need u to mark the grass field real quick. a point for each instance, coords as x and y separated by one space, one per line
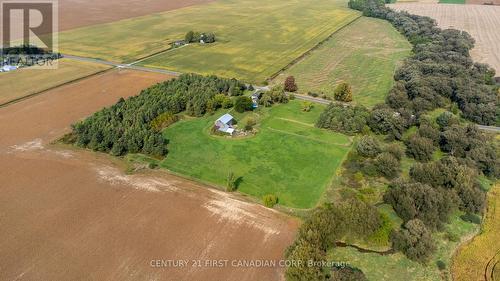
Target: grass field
452 1
398 267
26 81
288 157
255 38
482 255
364 54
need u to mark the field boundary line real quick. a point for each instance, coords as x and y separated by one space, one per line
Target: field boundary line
16 100
297 122
309 138
308 52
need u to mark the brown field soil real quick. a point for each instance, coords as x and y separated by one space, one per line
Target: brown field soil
27 81
68 214
79 13
481 21
479 259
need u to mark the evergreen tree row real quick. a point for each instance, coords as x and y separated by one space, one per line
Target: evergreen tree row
128 127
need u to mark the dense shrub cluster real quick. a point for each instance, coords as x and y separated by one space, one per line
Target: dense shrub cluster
273 96
384 120
440 74
372 158
322 229
414 240
468 142
163 121
451 174
420 148
343 92
441 69
343 118
270 200
192 36
129 125
347 274
420 201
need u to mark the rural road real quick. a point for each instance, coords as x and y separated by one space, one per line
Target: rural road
257 88
120 65
489 128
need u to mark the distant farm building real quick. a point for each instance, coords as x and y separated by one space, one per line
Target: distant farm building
179 43
225 123
7 68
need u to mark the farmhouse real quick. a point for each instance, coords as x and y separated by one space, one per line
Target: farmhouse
225 123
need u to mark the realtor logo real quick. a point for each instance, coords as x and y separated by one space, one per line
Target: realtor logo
28 28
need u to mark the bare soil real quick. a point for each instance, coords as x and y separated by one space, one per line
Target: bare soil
68 214
79 13
481 21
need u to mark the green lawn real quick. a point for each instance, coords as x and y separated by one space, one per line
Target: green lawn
452 1
364 54
288 157
255 37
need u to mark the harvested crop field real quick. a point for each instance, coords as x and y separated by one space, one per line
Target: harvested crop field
70 215
481 21
364 54
92 12
262 37
479 259
27 81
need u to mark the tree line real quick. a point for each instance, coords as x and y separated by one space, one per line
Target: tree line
319 232
440 70
133 125
439 74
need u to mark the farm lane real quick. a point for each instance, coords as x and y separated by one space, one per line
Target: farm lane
489 128
121 65
258 88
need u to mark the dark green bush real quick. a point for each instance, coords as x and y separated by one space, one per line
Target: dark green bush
469 217
441 265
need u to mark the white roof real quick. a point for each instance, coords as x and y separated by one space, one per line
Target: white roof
230 131
225 118
9 67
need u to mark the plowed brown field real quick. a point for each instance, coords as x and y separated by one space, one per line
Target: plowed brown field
481 21
78 13
68 214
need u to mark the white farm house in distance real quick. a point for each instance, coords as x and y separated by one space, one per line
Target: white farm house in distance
7 68
225 123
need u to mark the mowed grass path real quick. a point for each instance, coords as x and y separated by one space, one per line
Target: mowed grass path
364 54
255 37
26 81
288 157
